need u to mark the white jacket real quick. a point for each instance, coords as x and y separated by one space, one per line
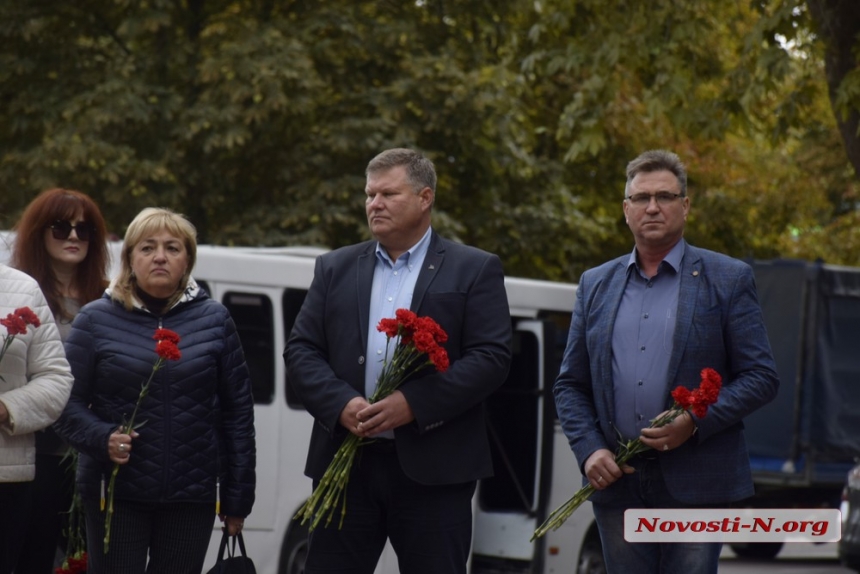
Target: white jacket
36 378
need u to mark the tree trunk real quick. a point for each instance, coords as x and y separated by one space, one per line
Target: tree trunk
838 23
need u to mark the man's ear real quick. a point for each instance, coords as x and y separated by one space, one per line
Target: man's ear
426 195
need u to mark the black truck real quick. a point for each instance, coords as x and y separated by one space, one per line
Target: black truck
803 444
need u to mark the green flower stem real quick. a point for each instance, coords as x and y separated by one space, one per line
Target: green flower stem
323 502
626 451
75 537
330 493
109 512
126 429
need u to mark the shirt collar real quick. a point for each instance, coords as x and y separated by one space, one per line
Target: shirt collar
672 259
417 251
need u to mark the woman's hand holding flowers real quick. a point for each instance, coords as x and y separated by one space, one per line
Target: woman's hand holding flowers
119 445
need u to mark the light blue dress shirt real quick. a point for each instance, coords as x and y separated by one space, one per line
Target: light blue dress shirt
393 286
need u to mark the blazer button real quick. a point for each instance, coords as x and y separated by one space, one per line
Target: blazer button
361 360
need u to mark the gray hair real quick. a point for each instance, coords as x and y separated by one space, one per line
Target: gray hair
419 170
657 160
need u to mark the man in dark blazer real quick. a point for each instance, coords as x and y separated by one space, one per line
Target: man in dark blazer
414 483
642 325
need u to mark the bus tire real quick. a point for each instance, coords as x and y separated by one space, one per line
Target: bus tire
294 551
591 554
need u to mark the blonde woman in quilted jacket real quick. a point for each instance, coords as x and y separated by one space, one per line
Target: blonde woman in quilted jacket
195 455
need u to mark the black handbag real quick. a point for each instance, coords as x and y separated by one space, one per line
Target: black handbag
232 563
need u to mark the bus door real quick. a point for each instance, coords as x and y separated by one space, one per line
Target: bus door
252 310
512 503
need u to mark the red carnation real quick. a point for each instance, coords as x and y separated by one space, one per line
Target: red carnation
424 342
168 350
166 335
14 325
683 396
440 360
28 316
432 327
407 319
707 393
389 327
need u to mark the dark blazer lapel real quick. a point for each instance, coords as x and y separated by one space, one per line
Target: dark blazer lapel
688 293
363 285
616 282
432 263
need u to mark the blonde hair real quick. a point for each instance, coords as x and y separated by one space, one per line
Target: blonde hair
148 222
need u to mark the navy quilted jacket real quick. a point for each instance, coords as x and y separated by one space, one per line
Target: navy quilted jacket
196 422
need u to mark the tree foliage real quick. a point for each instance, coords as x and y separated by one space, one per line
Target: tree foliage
256 118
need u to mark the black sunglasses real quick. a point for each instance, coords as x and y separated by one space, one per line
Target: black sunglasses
62 229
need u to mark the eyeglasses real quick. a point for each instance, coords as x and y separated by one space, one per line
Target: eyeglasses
643 199
61 230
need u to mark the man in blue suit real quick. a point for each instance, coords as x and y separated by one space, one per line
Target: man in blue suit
642 325
414 483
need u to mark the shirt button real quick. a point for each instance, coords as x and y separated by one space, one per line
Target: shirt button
645 316
642 348
395 273
640 383
378 351
390 299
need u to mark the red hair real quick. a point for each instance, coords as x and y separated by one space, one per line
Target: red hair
30 255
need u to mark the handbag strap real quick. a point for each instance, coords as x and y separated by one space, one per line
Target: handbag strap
231 549
241 543
224 538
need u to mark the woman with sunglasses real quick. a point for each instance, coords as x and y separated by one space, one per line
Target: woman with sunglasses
60 242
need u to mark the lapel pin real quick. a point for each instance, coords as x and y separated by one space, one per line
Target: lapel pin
431 267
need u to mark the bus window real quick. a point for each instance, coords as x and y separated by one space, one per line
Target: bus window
252 314
512 413
291 303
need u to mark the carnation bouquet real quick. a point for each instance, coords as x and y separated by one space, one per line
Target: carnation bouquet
417 345
166 348
684 399
16 324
